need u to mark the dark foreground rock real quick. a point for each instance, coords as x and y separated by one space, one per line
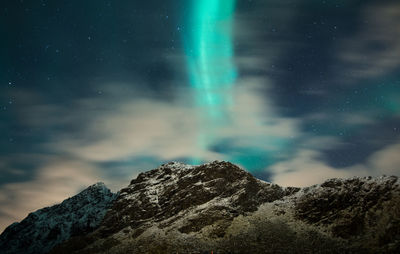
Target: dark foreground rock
219 207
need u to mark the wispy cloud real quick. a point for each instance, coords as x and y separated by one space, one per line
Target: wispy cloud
57 179
308 167
375 49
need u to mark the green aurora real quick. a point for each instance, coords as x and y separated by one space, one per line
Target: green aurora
210 59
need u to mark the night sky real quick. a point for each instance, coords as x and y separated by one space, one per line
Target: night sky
295 91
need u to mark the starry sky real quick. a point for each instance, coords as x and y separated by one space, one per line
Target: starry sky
295 91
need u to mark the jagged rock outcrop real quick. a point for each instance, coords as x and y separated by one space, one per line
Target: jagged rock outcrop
194 196
220 207
363 210
40 231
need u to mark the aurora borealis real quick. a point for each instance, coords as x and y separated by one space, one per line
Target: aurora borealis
295 91
211 68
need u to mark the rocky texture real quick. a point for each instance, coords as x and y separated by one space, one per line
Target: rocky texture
47 227
218 206
194 196
185 199
363 210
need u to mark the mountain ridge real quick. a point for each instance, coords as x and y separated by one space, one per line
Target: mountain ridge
219 206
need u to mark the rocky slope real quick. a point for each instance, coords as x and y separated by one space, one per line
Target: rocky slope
47 227
219 207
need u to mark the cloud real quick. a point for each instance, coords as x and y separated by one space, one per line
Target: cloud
254 115
350 119
257 43
144 126
375 49
57 180
307 167
387 160
137 128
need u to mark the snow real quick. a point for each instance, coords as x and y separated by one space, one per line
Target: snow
52 225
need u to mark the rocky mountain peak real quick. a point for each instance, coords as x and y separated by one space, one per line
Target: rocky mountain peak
168 194
40 231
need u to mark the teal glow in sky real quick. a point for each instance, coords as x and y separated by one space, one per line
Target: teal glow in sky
210 59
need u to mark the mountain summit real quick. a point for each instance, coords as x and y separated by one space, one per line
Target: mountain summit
222 208
189 198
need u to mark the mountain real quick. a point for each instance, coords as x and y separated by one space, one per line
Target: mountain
220 207
47 227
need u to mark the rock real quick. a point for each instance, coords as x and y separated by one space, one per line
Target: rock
47 227
356 208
